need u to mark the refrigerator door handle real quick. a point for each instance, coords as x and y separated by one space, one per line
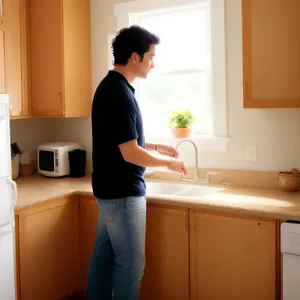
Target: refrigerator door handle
14 198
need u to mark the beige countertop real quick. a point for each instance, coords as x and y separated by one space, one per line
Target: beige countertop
262 202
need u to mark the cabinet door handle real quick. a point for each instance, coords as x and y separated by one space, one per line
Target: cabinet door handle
186 222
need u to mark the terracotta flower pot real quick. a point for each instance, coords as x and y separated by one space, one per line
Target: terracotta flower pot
181 132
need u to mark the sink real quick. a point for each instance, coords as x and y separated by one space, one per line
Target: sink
181 190
161 188
198 191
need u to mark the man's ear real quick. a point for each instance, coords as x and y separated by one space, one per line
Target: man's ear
136 59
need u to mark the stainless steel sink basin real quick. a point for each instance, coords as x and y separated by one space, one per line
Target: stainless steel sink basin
182 190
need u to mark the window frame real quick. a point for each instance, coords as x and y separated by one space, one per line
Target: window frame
125 14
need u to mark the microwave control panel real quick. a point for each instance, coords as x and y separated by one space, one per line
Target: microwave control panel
56 161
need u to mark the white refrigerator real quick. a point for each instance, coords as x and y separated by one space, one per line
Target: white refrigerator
8 197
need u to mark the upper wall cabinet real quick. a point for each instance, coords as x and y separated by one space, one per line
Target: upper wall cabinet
271 47
60 45
14 55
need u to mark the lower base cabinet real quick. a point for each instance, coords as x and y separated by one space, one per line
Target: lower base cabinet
190 254
167 255
89 214
48 250
232 258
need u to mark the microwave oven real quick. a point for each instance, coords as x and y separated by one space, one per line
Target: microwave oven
53 158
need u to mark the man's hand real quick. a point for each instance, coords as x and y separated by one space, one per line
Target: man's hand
167 150
177 166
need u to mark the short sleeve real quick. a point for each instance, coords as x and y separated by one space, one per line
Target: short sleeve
126 114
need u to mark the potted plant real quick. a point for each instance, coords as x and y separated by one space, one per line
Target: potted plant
180 123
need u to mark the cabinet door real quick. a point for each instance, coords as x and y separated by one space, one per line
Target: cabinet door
232 258
25 57
167 255
89 213
271 47
2 61
77 58
46 57
49 252
10 39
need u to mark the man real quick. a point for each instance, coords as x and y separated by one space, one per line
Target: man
120 156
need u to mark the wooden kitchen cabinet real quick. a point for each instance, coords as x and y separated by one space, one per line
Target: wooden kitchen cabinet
14 76
232 258
47 244
271 47
60 58
167 254
89 214
190 254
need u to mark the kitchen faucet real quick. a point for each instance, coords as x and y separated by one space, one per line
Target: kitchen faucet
196 169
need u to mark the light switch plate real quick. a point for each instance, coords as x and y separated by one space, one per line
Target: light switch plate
251 153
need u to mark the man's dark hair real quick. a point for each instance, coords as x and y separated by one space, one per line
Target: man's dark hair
132 39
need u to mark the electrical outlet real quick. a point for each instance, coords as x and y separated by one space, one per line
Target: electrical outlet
251 153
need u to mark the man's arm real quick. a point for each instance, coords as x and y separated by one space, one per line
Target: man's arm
162 149
150 146
134 154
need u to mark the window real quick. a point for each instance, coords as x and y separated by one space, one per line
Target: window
181 77
189 68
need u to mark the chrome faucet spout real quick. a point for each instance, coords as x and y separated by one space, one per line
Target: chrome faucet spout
196 169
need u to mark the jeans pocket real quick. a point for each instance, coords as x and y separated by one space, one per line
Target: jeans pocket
107 209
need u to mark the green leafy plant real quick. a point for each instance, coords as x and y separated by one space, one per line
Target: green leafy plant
182 119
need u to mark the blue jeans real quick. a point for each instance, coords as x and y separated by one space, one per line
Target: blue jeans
118 259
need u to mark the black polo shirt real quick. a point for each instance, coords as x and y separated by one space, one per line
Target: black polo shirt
116 119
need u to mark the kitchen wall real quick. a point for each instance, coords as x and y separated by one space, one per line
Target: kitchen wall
76 130
274 132
29 133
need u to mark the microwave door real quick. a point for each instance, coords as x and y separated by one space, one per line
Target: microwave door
8 199
46 160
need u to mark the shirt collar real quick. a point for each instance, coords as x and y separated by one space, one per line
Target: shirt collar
122 77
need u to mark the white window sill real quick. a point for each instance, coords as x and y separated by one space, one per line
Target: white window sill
204 143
